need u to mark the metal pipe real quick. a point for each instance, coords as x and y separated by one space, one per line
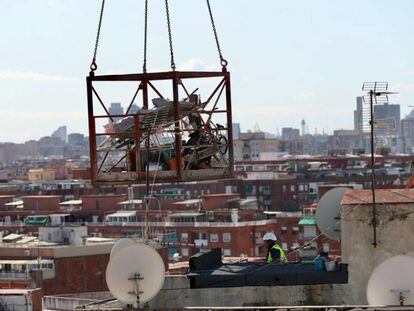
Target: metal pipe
374 208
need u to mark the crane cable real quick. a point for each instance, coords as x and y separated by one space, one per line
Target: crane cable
93 65
167 13
144 66
223 61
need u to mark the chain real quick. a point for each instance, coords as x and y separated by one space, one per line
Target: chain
144 67
93 65
167 12
222 60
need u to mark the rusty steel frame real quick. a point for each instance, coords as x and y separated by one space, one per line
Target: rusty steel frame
144 80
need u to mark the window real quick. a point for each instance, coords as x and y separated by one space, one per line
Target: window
283 230
184 252
292 188
227 237
250 189
309 231
285 246
295 230
284 188
326 247
214 237
184 236
226 252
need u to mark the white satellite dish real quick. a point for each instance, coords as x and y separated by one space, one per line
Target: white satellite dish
135 274
120 244
328 213
392 283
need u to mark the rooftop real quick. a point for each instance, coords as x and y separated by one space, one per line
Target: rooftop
382 196
40 196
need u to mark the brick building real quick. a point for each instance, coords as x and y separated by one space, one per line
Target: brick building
61 269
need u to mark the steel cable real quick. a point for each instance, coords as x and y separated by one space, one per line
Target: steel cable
93 65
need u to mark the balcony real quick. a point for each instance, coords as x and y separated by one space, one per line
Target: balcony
16 276
15 223
183 224
201 242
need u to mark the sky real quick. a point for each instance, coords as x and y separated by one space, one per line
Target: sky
289 60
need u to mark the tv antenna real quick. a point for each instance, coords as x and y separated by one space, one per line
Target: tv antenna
377 93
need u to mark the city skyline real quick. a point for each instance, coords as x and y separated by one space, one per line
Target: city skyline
292 60
309 129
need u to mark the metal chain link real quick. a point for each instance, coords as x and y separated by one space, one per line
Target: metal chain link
93 65
144 67
222 60
167 12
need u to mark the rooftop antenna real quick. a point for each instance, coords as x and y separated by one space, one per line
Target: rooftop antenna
377 93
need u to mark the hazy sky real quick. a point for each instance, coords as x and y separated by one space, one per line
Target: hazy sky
289 59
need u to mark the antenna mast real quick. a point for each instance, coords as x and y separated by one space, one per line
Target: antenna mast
377 93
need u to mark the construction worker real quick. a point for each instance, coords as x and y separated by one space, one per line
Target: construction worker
320 261
274 252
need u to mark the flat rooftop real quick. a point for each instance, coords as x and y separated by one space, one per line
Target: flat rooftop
382 196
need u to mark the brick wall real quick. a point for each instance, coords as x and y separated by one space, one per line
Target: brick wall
102 202
5 199
43 202
78 274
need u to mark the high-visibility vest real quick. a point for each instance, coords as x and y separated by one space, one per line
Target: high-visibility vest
281 252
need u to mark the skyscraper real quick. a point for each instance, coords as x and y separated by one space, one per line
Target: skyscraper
388 119
76 139
407 134
303 124
116 109
134 109
60 133
358 120
236 130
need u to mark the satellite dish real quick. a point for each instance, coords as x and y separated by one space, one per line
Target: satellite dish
328 213
391 283
120 244
135 274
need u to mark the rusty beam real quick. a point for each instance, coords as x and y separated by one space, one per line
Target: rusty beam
229 123
167 75
92 130
175 82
